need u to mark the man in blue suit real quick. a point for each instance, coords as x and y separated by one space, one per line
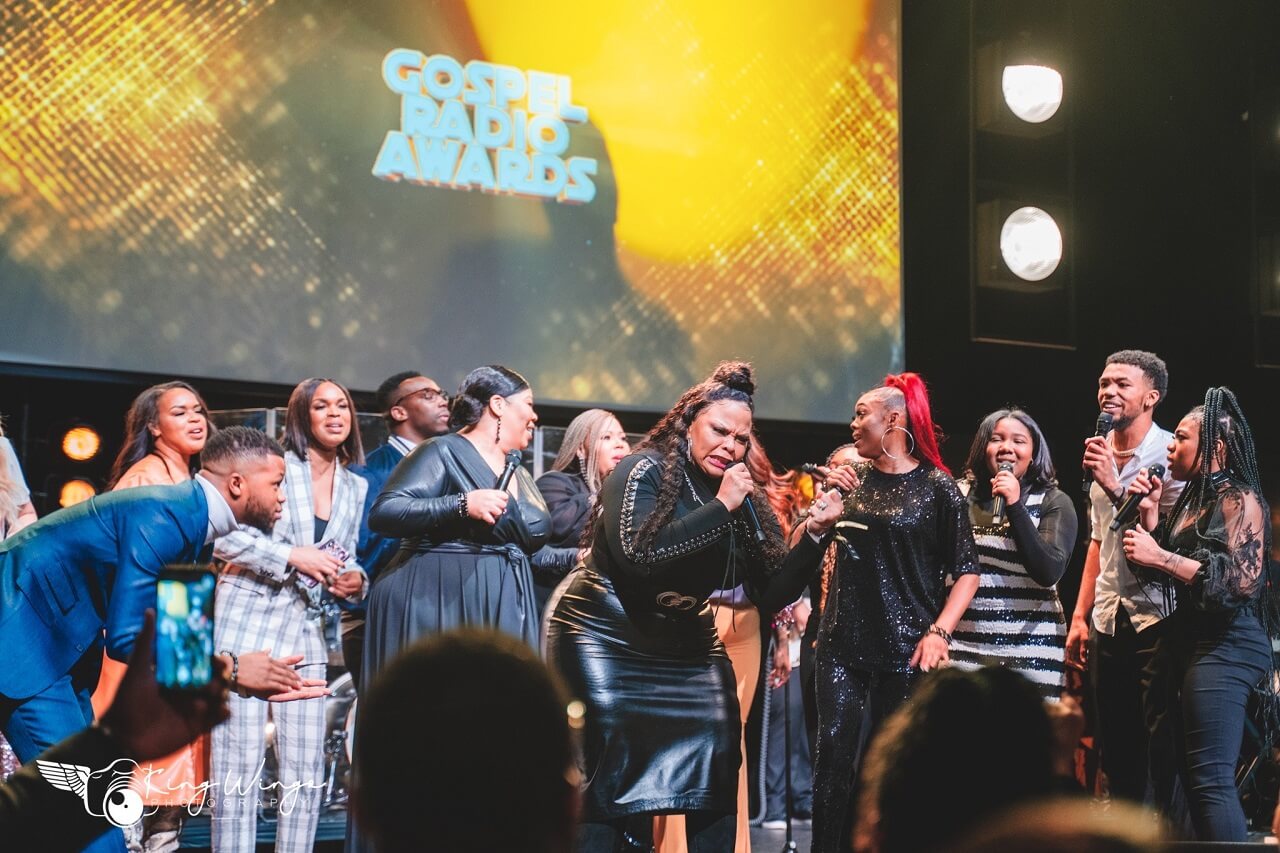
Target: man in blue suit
415 409
93 567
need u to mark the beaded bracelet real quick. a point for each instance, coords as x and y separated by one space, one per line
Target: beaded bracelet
235 672
462 505
941 632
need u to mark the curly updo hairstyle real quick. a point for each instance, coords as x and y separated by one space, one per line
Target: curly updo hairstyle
731 380
479 386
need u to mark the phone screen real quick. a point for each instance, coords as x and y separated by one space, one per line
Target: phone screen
184 627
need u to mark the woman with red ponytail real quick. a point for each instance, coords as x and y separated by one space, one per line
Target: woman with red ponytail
890 612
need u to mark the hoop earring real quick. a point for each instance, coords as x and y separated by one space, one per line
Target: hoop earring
497 433
909 435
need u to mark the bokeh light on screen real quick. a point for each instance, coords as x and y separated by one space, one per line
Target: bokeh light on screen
1031 243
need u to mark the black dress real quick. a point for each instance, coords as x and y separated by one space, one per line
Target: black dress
451 571
634 637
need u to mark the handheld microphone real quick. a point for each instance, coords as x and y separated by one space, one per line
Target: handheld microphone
997 506
509 471
1129 509
1102 429
754 519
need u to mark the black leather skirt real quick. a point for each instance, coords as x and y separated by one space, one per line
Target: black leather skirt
661 730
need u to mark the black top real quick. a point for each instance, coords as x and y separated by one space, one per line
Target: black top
569 502
704 547
1227 538
903 534
420 503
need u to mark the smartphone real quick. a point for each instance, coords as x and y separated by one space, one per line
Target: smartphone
184 627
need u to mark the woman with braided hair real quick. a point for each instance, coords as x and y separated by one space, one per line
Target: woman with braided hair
1214 547
635 637
889 612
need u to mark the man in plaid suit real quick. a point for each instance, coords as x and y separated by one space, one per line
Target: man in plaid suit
268 598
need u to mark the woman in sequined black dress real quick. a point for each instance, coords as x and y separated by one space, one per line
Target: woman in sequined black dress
889 615
1212 547
635 638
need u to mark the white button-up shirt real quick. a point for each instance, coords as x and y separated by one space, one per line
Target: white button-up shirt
1116 584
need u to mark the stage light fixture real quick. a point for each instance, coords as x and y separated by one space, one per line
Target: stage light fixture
81 443
1032 92
1031 243
75 491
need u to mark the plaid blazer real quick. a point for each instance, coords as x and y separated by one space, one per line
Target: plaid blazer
258 563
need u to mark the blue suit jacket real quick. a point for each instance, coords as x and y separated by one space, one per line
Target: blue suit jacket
89 567
373 550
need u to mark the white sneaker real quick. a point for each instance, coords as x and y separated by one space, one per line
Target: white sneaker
775 823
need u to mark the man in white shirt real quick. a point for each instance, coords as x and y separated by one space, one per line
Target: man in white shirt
1117 645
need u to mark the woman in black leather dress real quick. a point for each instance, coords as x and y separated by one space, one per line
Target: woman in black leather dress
467 549
635 638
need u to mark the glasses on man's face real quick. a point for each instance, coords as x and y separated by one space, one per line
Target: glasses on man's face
427 394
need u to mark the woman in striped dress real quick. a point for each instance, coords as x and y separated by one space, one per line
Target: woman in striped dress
1015 619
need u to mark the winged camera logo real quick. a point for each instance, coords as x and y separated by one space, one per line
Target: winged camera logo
106 793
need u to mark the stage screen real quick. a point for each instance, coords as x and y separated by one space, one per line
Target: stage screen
607 197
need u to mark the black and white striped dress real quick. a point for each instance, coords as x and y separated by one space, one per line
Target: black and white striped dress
1012 621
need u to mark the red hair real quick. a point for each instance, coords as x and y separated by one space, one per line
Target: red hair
913 390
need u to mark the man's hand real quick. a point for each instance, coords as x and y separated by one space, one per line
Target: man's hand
1078 644
347 585
276 679
149 722
1099 459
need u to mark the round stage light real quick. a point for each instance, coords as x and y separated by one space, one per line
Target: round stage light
1031 243
75 491
81 443
1033 92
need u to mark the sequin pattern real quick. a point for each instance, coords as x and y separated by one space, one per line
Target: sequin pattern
902 535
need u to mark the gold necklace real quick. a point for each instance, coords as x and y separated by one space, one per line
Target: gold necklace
1123 454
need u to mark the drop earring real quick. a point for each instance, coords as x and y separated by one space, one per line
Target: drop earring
497 433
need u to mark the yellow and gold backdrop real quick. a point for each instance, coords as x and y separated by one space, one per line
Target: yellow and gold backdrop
265 191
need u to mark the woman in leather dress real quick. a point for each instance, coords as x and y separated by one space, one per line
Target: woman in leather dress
635 638
466 547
